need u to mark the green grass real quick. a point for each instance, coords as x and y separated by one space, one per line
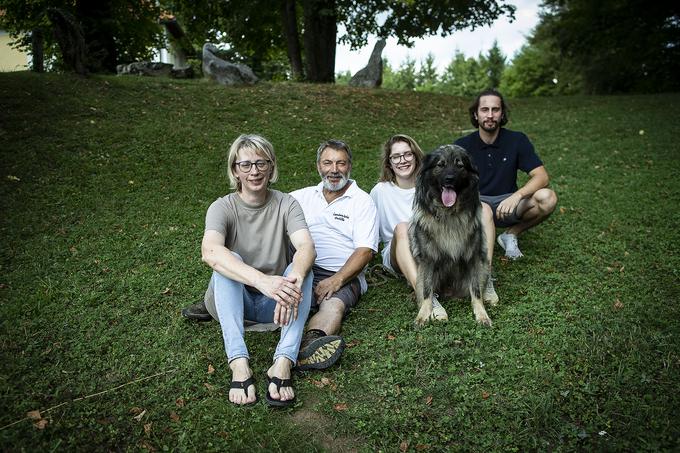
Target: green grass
100 251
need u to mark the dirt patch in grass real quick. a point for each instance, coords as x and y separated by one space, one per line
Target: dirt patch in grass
314 423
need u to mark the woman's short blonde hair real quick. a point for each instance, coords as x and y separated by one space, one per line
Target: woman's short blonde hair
386 172
259 145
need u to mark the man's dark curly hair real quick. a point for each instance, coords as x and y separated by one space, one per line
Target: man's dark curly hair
489 92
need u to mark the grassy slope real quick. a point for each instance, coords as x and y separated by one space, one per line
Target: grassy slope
100 250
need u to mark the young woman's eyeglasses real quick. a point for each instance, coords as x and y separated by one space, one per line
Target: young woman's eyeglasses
396 158
245 165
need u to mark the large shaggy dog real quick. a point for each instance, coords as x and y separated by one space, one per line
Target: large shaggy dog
445 233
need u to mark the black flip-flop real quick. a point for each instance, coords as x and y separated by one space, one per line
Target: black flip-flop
243 385
278 382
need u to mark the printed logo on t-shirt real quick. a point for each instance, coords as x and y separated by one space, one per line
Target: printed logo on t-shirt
340 217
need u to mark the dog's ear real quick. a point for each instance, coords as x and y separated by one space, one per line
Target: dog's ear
470 165
430 160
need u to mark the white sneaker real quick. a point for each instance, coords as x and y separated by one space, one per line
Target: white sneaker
438 312
508 242
490 295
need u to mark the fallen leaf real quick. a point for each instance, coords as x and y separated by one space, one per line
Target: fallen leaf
173 416
147 428
340 407
140 416
421 447
397 389
211 369
391 337
403 446
208 386
34 415
352 343
166 291
223 434
618 305
428 400
563 210
40 424
180 402
136 410
485 395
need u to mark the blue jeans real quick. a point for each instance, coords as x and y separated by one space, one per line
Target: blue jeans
234 302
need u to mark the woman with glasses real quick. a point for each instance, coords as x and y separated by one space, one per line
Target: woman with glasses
246 243
401 160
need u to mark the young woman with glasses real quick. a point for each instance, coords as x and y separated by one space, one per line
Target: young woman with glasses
401 160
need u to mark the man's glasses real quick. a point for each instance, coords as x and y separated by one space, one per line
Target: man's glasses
396 158
245 165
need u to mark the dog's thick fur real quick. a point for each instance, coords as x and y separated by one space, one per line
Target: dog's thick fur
448 243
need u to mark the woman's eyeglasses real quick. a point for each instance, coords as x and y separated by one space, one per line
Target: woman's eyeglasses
245 165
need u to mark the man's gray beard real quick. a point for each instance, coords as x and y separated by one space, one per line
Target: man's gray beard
335 187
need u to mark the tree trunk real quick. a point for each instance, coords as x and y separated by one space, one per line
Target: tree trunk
96 18
37 50
319 40
290 31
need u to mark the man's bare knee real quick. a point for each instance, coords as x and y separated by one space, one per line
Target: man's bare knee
332 307
546 200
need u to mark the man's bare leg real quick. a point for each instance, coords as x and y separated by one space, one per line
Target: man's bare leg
534 210
321 346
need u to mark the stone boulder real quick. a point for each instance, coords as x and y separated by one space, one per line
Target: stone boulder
370 76
224 72
145 68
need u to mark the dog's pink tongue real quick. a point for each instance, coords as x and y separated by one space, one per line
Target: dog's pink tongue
448 197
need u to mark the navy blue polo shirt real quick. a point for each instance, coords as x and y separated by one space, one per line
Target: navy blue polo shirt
498 162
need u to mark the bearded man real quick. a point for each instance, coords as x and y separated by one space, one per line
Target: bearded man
498 154
343 222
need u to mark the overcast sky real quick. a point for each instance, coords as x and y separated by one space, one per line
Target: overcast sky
510 35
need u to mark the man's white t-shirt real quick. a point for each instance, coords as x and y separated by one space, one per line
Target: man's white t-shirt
339 227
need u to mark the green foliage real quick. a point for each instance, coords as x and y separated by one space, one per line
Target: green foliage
495 65
463 76
406 20
343 78
427 78
115 32
538 70
617 45
103 192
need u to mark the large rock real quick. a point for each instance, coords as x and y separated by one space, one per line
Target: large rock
371 75
146 68
224 72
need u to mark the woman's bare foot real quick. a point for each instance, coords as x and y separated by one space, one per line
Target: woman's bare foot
281 369
240 371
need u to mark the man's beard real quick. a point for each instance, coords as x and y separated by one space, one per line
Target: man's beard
493 128
335 187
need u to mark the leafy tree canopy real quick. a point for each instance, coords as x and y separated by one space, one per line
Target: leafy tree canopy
617 45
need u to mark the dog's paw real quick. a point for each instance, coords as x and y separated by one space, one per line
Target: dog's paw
483 320
424 316
492 301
